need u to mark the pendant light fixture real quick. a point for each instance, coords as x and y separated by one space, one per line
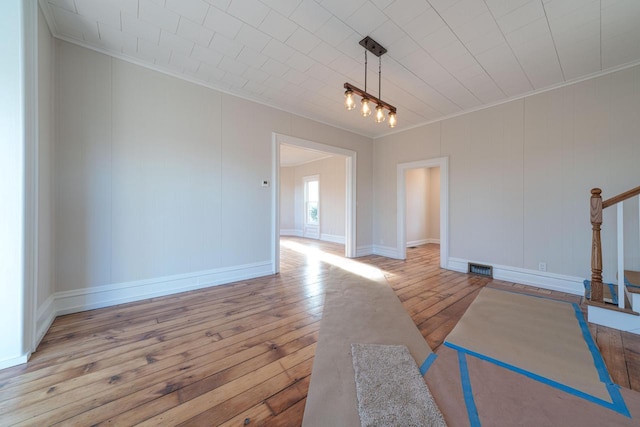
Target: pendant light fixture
374 47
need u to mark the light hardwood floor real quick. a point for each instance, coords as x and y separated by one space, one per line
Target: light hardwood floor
231 353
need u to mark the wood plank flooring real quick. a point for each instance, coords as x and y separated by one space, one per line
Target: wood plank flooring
232 355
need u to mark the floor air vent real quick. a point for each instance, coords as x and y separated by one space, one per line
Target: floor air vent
480 270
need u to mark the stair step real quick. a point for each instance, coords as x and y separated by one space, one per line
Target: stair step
632 280
613 307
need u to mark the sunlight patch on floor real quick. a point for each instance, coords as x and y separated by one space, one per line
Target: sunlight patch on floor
364 270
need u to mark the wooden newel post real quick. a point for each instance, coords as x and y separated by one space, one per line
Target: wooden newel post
596 246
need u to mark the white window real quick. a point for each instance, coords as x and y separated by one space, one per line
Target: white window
311 200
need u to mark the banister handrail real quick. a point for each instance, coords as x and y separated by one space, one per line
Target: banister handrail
596 207
621 197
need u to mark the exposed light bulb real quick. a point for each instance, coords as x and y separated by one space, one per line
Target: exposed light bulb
366 109
349 102
380 114
393 121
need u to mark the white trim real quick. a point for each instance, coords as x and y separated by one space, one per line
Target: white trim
290 232
351 188
118 293
8 363
401 232
614 319
387 251
275 204
334 238
45 316
364 250
552 281
620 253
31 134
422 242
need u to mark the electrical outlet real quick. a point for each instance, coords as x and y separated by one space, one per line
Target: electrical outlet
265 183
542 266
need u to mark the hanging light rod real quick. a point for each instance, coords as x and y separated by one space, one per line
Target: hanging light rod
378 50
370 97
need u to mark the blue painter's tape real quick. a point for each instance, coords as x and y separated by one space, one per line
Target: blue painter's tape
427 363
617 403
472 410
613 389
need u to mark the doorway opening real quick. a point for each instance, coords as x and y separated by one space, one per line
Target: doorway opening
312 220
407 171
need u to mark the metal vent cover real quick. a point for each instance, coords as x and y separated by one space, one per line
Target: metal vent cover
480 270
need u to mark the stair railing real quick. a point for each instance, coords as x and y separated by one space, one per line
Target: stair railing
597 205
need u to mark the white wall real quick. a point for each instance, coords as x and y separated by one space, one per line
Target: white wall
158 180
521 173
287 201
12 188
433 218
417 210
46 133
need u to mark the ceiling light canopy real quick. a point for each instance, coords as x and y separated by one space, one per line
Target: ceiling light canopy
349 102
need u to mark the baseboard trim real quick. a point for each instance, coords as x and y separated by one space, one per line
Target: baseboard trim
119 293
291 232
45 316
422 242
364 250
551 281
14 361
386 251
333 238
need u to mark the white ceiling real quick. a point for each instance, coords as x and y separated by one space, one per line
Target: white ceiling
444 56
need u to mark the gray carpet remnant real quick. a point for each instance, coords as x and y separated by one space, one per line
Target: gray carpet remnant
390 389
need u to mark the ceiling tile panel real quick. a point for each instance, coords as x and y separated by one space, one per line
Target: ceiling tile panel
206 55
277 26
223 23
252 12
303 41
195 10
275 68
334 31
366 19
340 8
157 15
251 57
526 14
387 34
310 15
103 12
284 7
278 51
424 24
225 45
139 28
256 75
403 12
300 62
255 39
175 43
195 33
